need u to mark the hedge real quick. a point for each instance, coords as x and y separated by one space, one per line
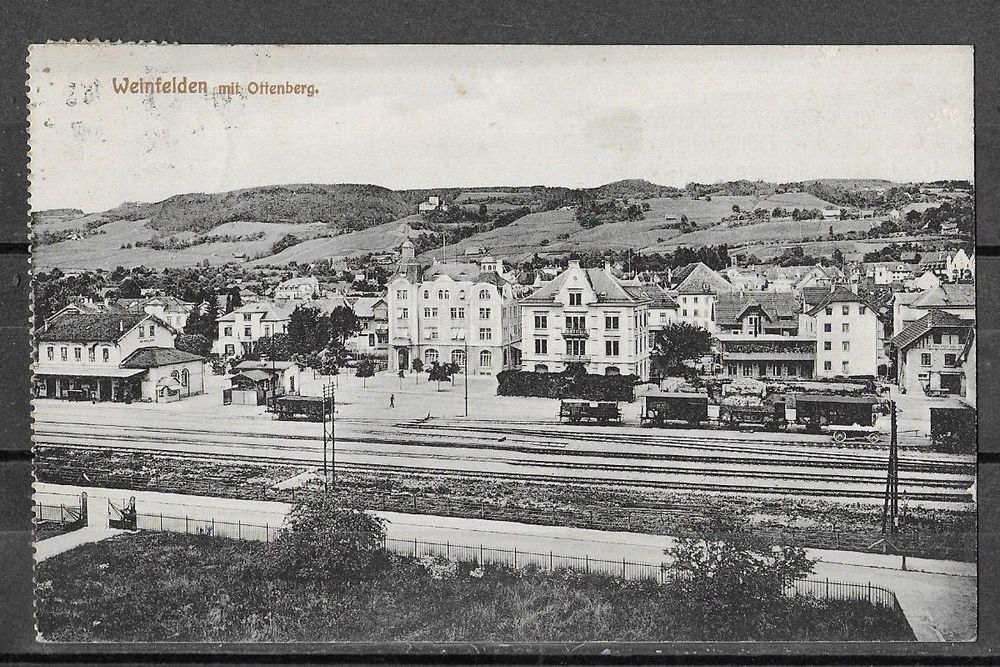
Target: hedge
567 385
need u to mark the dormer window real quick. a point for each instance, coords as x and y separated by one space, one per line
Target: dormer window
576 298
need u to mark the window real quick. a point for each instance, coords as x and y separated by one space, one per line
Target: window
401 294
152 330
862 310
684 312
486 359
576 347
267 330
846 345
925 359
827 345
176 376
827 327
695 313
949 360
827 365
227 331
845 310
404 313
458 313
576 298
611 322
845 327
430 356
576 322
92 355
432 333
64 353
185 377
611 348
447 294
458 358
247 332
541 368
541 321
484 313
829 310
696 299
246 317
937 337
486 333
50 352
845 367
427 312
105 354
484 294
427 294
371 340
230 349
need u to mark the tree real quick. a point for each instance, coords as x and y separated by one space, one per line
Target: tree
235 299
439 373
736 209
274 347
365 370
343 324
193 343
483 211
732 584
129 289
837 257
677 344
308 331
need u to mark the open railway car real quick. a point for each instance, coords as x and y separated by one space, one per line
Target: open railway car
817 410
769 414
309 408
658 408
577 411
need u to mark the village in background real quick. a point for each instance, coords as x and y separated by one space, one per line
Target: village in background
793 360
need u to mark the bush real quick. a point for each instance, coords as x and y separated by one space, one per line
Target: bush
568 384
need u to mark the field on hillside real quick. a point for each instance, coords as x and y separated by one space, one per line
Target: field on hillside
388 236
104 251
782 230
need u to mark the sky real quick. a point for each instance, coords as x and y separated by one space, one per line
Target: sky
449 116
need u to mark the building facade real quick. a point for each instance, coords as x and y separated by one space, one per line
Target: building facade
848 334
932 354
586 316
240 329
759 336
373 338
462 313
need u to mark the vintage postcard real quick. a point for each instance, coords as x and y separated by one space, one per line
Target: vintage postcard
496 344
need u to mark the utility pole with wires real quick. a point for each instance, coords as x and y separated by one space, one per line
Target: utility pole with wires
466 376
329 437
890 506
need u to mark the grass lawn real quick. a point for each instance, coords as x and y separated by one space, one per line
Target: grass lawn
168 587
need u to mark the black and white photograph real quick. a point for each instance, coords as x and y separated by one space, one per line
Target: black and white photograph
496 344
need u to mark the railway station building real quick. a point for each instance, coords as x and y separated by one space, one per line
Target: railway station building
759 336
113 356
932 353
587 316
465 313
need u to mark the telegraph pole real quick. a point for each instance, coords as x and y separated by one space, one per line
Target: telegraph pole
890 506
323 413
466 376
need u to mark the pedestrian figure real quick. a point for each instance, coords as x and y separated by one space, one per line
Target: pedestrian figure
392 400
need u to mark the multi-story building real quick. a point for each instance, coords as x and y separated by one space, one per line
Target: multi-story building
950 266
697 287
453 312
848 334
298 288
759 336
586 316
932 354
240 329
373 337
113 356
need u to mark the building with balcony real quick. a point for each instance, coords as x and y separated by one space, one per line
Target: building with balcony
587 316
758 336
454 312
240 329
373 337
932 354
696 287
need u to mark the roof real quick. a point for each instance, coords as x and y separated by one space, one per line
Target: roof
698 278
605 286
840 295
958 295
153 357
935 319
660 299
365 306
85 327
776 306
254 375
264 365
834 398
311 281
81 370
272 313
813 295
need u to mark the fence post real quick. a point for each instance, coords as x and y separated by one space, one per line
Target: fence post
828 588
185 524
62 519
587 561
267 533
447 549
213 526
161 522
414 544
551 569
481 553
623 567
239 530
515 558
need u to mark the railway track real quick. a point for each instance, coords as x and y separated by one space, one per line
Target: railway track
764 455
562 479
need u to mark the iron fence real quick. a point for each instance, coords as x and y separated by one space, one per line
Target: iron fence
57 514
823 589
